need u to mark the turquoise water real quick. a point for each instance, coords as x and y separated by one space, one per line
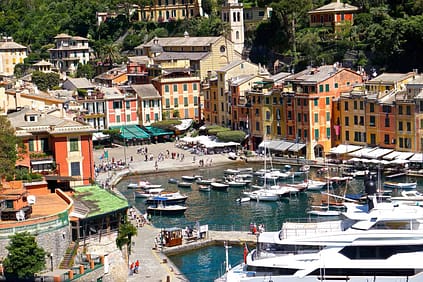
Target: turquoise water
221 212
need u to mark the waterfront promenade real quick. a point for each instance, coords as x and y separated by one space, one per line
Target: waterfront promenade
154 265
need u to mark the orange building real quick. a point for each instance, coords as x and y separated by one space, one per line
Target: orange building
310 105
180 92
58 148
335 15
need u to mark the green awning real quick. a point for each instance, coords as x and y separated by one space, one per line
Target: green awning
155 131
132 132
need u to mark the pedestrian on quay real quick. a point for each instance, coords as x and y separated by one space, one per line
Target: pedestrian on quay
137 266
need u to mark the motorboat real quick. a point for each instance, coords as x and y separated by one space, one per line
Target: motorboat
409 197
201 181
148 193
204 188
265 195
162 209
168 198
399 185
189 178
143 185
219 186
184 184
243 200
230 171
323 210
315 185
172 181
382 243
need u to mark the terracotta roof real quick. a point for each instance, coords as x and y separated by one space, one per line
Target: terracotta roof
7 45
192 56
146 91
335 7
184 41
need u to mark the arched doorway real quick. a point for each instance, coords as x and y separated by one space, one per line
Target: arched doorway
318 151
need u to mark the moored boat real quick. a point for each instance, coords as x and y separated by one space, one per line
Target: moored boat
219 186
204 188
148 193
188 178
184 184
170 198
162 209
399 185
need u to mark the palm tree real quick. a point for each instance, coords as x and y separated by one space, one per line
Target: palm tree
109 53
125 234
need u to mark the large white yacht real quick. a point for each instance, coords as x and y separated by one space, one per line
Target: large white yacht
384 243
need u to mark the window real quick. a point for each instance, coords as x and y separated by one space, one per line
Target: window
194 86
328 132
195 101
316 117
386 139
346 106
327 87
75 169
128 104
156 116
118 119
305 118
267 115
185 101
298 117
372 107
147 117
347 121
373 139
289 115
167 103
117 104
408 126
316 134
327 116
372 121
321 88
335 85
400 127
268 129
257 126
347 135
73 145
267 101
128 117
408 110
327 100
290 130
167 88
387 123
185 86
355 105
400 109
361 105
175 88
31 145
175 102
316 102
361 120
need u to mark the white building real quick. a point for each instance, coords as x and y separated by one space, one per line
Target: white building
69 52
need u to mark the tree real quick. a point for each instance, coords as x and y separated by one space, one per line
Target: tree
25 258
45 81
231 136
85 70
10 147
126 231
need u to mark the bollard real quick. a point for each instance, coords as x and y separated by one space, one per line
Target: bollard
70 273
102 260
91 264
168 278
56 279
81 269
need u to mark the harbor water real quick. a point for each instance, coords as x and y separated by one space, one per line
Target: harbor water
220 211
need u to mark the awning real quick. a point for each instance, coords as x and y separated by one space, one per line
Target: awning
362 152
132 132
375 154
155 131
343 149
398 155
405 155
40 162
296 147
97 136
285 145
417 158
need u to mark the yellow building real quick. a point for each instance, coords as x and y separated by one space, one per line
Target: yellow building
170 10
11 54
204 54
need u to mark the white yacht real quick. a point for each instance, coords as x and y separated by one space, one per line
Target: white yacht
383 244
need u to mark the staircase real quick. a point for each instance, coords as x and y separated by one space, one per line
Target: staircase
67 260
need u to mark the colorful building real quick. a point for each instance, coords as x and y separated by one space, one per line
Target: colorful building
55 146
149 104
180 92
336 15
11 54
169 10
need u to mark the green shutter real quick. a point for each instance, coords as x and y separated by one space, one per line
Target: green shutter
320 88
328 132
316 134
327 87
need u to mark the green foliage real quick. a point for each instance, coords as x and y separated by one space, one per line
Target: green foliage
85 70
168 124
231 136
45 81
214 129
24 174
125 234
10 146
25 258
133 40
